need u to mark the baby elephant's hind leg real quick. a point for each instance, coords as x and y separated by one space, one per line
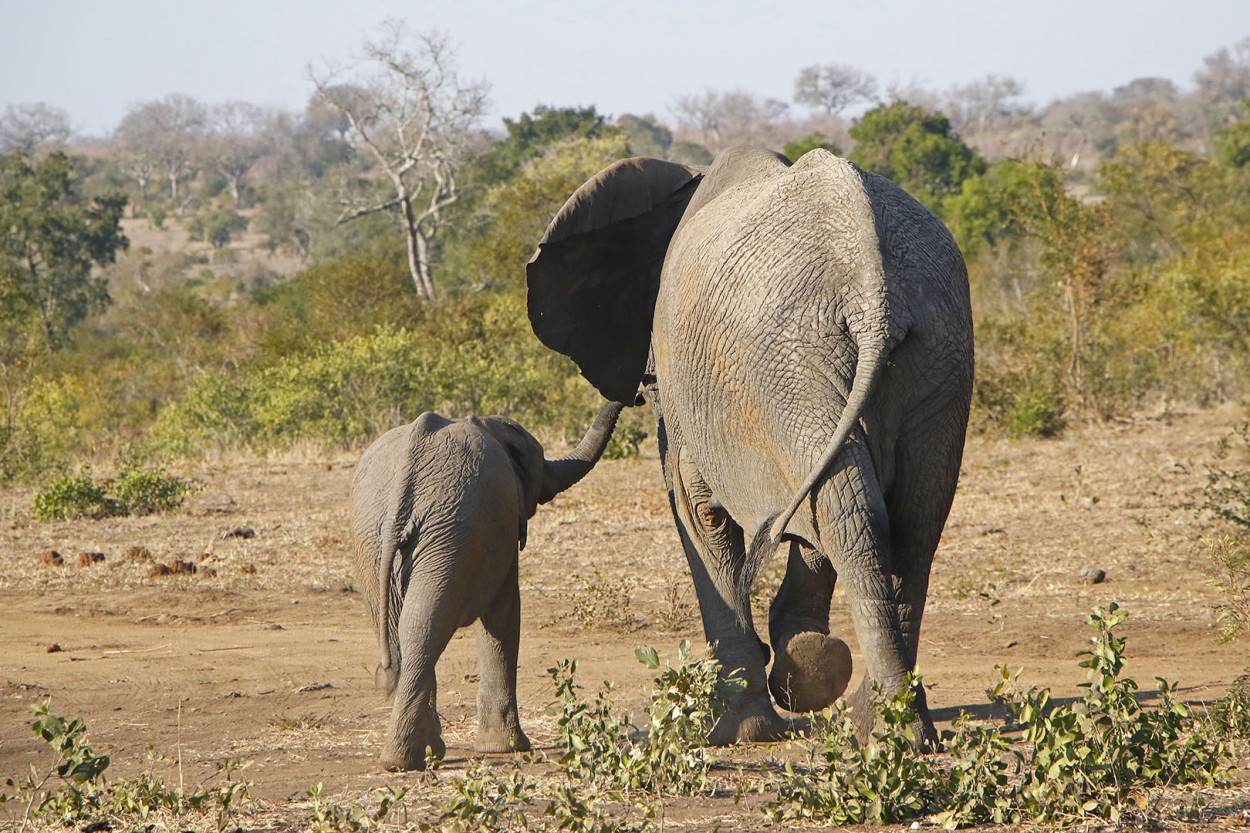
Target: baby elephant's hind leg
499 641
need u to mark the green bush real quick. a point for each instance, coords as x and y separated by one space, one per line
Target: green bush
1231 713
217 227
473 358
1034 414
1092 759
148 491
601 746
136 491
74 496
74 790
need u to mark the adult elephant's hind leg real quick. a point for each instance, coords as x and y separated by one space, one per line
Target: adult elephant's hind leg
927 471
716 552
810 669
854 530
498 646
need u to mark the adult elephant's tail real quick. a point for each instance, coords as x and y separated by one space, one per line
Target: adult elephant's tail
874 349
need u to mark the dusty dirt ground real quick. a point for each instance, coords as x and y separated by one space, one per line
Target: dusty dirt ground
268 662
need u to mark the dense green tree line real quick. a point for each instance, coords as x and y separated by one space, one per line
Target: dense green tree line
1121 291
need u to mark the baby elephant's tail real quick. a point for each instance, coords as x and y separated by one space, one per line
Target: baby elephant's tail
387 673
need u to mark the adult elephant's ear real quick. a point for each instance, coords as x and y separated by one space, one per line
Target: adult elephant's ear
593 280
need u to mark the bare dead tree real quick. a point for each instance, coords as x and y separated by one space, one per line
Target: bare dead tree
833 87
412 113
721 119
25 127
162 135
232 143
983 105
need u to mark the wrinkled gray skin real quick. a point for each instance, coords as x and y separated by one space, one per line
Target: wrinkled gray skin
451 499
810 338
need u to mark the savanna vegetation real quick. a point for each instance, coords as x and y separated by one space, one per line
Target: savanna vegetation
1106 236
348 268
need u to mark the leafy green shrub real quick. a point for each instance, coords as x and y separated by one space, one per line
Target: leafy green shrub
329 817
217 227
1034 414
137 491
627 438
1231 713
484 802
148 491
81 793
604 748
882 782
1093 759
74 496
1090 760
1227 499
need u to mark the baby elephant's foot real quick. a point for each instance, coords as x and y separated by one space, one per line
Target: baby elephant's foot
501 740
810 671
412 755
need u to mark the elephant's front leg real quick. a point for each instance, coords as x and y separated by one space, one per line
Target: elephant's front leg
716 551
810 669
498 646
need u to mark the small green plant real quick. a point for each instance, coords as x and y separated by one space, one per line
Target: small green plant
598 602
1231 713
1088 760
593 736
576 813
670 758
976 788
624 444
79 791
1037 414
484 803
149 491
330 817
136 491
847 782
1097 758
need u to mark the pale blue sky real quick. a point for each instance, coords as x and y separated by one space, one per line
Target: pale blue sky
96 58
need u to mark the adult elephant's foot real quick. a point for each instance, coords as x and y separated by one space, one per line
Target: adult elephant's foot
810 671
756 723
501 740
412 754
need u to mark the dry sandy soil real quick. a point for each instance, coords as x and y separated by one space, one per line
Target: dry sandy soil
268 662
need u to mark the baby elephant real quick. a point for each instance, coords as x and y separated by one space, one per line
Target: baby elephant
452 499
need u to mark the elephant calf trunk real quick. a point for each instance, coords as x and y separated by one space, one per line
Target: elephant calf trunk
559 475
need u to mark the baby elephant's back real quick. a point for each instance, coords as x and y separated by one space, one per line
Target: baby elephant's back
466 480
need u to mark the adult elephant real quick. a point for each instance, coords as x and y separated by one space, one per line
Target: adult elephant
805 334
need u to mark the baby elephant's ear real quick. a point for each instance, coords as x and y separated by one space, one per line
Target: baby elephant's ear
593 280
525 454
